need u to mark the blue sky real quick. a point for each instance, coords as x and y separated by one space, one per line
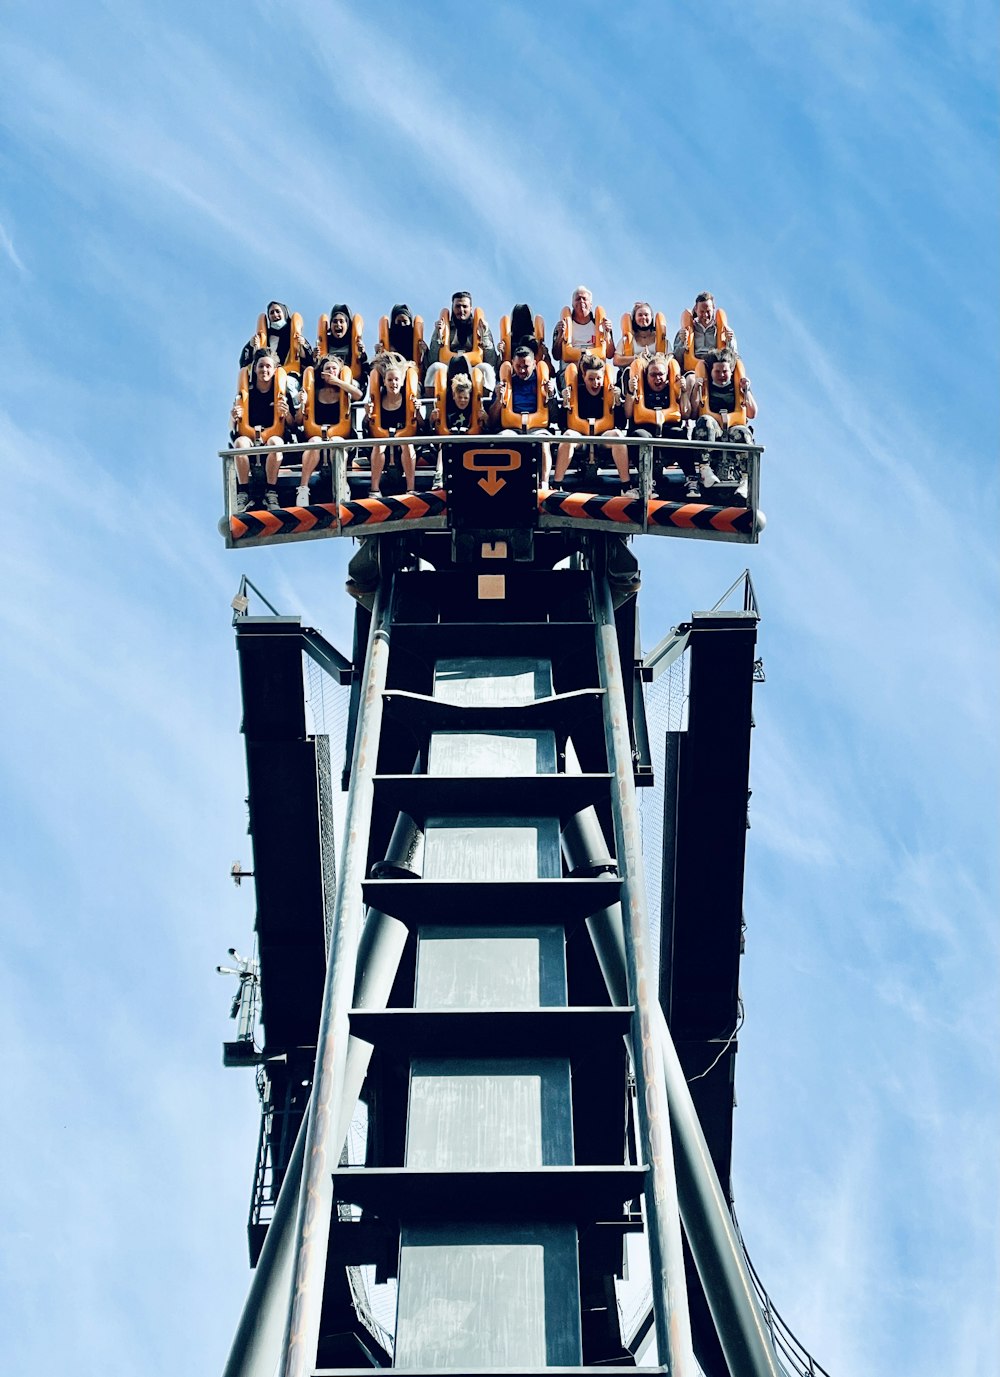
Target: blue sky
830 174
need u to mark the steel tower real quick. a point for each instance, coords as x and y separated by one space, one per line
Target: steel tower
484 1083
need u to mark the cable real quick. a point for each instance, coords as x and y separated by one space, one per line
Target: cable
724 1048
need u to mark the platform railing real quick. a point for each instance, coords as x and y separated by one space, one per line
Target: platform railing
730 462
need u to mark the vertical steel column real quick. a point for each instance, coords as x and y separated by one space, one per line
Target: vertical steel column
257 1343
666 1254
301 1340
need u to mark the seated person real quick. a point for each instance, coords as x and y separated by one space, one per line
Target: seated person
392 396
463 331
260 415
280 330
521 403
458 401
721 399
518 328
593 409
703 330
653 410
401 332
643 335
324 410
338 335
582 327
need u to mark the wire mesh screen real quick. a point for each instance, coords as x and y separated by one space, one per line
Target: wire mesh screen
666 711
327 710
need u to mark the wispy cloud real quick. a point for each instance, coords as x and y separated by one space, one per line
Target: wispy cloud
7 246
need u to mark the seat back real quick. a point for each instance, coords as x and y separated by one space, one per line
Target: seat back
583 424
380 428
415 349
442 387
626 344
279 389
642 413
505 344
572 353
295 356
687 325
324 341
473 354
313 428
733 418
516 420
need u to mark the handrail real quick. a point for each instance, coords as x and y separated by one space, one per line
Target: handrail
749 594
785 1342
241 602
495 442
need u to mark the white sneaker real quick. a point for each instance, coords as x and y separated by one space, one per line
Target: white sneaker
707 475
302 496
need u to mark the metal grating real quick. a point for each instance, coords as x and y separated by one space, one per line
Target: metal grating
666 711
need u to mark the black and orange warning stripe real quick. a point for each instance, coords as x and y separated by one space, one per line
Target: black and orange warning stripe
329 516
628 511
583 508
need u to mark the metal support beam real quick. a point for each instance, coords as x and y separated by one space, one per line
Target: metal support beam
673 1328
708 1225
301 1340
257 1343
710 1231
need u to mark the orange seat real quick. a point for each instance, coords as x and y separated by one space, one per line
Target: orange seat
323 339
725 419
506 347
441 390
645 415
475 354
310 425
532 420
411 392
572 353
418 338
584 425
626 345
294 359
687 325
259 435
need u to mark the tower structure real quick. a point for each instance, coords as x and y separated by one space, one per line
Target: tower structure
487 1082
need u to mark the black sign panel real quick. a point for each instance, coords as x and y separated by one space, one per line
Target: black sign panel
492 487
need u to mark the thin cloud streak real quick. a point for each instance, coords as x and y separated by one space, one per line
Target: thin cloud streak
7 246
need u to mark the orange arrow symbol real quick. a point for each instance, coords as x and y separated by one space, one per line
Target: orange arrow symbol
493 483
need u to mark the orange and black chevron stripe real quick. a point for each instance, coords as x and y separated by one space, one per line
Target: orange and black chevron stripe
691 516
325 516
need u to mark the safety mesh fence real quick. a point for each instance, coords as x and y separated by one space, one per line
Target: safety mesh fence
666 711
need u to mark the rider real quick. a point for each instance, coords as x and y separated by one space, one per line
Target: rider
596 401
259 415
464 331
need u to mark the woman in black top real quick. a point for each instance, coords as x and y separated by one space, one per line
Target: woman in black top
331 393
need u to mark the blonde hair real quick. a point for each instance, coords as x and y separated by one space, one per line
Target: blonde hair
388 360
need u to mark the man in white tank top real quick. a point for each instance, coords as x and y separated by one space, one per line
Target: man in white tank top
583 331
